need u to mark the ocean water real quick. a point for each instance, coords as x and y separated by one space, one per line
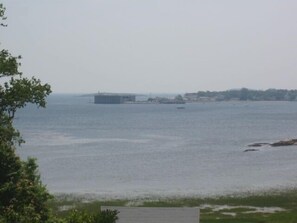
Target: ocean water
140 150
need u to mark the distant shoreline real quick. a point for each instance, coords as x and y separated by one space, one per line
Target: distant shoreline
148 197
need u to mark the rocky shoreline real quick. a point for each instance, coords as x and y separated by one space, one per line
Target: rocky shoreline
289 142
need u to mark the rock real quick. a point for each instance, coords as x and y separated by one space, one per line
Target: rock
288 142
250 150
284 143
258 144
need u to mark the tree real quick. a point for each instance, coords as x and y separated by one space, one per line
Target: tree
179 98
105 216
244 94
22 196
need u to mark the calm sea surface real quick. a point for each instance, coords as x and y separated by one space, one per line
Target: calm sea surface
138 150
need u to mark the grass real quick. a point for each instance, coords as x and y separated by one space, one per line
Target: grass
238 208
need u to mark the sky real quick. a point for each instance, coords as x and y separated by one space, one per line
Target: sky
154 46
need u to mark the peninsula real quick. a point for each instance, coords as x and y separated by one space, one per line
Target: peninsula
243 94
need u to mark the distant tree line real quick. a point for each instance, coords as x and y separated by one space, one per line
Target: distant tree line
245 94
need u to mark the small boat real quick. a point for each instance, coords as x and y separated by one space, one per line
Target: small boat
180 107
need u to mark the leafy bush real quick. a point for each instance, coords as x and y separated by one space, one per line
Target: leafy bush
23 198
106 216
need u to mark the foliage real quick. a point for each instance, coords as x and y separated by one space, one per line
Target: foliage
16 93
245 94
106 216
233 208
23 198
2 17
79 217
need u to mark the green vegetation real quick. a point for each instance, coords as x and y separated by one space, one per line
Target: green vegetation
23 197
108 216
266 207
270 207
245 94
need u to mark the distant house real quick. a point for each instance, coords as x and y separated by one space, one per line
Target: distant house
191 96
114 98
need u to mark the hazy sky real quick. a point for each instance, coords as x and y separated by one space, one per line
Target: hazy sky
149 46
